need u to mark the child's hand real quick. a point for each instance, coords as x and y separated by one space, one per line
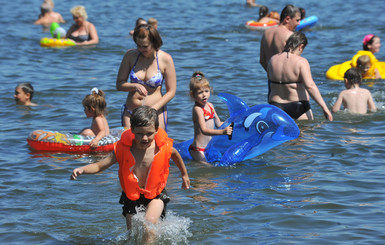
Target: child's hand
94 143
76 173
228 130
185 182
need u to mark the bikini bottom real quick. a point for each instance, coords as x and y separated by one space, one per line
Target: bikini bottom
293 109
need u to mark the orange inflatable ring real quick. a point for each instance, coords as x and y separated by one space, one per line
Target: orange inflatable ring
258 26
41 140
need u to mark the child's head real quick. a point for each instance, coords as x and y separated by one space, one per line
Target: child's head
153 22
352 77
371 43
274 15
144 116
197 82
23 93
96 102
363 64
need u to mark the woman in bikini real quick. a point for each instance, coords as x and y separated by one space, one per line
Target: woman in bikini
82 32
290 81
142 72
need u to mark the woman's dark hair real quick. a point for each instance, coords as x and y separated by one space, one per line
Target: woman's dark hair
263 11
289 10
144 116
148 31
296 39
368 42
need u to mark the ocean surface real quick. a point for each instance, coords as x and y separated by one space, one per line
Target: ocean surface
326 187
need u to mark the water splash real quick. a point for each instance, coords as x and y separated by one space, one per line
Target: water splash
171 230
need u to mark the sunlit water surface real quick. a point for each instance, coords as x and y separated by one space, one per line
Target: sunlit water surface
326 187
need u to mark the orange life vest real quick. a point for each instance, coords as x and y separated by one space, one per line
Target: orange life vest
159 170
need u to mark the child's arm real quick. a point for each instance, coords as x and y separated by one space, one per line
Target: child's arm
94 168
175 156
98 126
371 105
337 105
198 114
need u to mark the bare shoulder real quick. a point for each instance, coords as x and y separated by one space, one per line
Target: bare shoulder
164 56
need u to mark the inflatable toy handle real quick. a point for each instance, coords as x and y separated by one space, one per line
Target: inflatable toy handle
231 135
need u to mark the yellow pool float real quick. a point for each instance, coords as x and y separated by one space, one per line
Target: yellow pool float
337 72
56 43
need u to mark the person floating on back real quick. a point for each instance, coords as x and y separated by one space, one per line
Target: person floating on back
354 99
95 106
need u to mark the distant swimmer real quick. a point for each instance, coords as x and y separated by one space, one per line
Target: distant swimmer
263 15
47 16
23 94
82 32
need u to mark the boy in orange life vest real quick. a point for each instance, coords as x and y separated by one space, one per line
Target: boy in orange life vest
143 183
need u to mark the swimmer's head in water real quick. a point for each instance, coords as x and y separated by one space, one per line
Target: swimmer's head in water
371 43
23 93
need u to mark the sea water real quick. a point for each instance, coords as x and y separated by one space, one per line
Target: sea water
326 187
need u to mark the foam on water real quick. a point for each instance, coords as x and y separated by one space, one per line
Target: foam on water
173 229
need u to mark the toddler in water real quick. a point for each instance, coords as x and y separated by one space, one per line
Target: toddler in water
364 65
204 117
355 99
23 94
95 106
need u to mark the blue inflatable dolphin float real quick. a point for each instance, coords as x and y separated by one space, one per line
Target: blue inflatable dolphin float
256 130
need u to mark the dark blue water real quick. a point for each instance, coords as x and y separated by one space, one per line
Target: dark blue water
326 187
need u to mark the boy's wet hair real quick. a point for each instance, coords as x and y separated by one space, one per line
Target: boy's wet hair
353 76
27 88
144 116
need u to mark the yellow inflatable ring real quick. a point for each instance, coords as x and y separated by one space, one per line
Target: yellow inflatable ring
337 72
56 43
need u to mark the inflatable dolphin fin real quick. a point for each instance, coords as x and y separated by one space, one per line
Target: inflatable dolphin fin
235 104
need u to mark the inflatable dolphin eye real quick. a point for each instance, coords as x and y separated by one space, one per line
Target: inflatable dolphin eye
261 126
249 120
